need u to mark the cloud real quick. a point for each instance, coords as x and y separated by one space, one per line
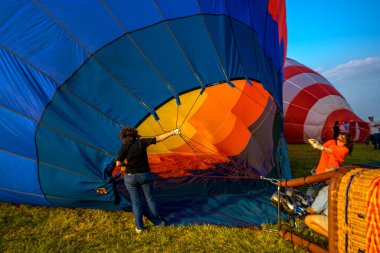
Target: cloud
359 83
363 68
319 70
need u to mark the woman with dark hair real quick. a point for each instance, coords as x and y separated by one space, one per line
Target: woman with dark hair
336 129
138 177
334 152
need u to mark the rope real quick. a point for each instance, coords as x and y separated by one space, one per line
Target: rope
271 180
191 108
238 167
176 120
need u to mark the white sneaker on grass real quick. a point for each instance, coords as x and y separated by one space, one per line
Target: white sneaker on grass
138 230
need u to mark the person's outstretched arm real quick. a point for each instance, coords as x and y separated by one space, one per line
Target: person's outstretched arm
164 136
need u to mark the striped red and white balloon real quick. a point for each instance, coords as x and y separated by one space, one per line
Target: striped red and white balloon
312 105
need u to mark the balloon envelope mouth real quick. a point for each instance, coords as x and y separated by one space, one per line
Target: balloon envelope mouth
215 126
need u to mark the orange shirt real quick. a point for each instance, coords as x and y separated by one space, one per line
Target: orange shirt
335 159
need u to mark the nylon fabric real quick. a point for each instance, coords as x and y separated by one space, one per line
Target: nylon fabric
32 92
63 153
116 97
32 35
18 140
67 184
161 48
172 9
133 72
190 39
88 23
133 15
24 187
74 73
218 28
259 19
312 105
247 49
227 203
241 12
65 116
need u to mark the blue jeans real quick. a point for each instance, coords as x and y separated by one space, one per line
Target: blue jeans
375 139
138 186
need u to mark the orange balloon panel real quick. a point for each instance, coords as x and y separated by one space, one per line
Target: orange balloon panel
214 126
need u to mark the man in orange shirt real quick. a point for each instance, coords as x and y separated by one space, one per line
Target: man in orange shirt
334 152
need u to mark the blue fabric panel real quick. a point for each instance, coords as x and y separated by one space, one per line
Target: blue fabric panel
62 153
269 81
229 203
266 71
247 45
88 21
278 77
94 84
274 84
127 63
23 89
252 13
259 13
31 34
17 134
213 7
272 42
176 9
133 14
240 12
66 115
191 33
162 50
282 59
240 210
284 162
19 180
63 188
220 30
281 162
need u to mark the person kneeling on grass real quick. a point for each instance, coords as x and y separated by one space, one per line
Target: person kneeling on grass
138 177
317 220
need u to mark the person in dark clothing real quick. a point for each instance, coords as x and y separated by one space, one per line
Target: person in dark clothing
138 177
374 132
336 129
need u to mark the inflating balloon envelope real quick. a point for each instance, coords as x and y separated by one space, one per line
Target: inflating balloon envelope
312 105
74 73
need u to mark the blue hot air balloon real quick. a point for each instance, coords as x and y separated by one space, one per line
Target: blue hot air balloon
73 73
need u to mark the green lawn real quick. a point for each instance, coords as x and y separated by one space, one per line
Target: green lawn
43 229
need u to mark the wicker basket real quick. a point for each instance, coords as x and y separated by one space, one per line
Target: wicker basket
352 206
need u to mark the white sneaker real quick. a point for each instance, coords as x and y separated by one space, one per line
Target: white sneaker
138 230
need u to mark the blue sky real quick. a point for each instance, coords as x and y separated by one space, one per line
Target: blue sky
340 40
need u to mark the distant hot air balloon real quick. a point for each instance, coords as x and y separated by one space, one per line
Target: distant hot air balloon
312 105
73 73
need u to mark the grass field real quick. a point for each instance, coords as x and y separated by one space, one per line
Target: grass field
43 229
